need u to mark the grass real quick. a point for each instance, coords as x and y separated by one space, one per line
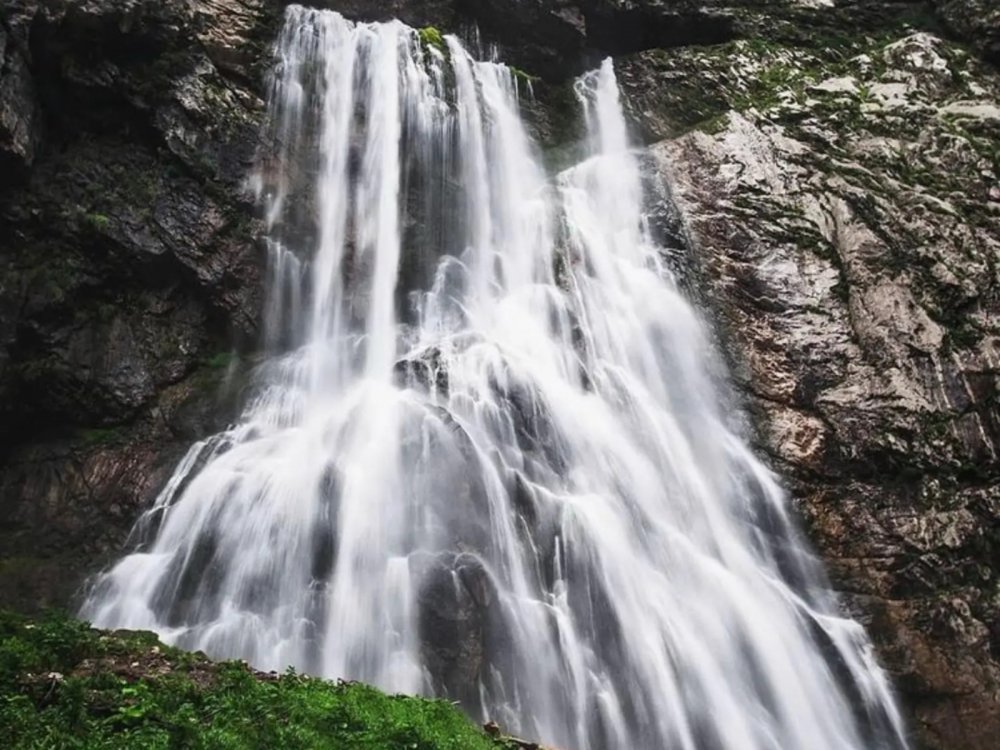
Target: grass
64 685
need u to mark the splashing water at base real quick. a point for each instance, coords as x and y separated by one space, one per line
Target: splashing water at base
487 458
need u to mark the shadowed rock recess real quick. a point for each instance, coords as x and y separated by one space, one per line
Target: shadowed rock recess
829 173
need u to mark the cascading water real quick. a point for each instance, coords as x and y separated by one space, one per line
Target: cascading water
487 458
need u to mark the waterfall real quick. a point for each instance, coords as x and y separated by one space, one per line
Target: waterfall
485 457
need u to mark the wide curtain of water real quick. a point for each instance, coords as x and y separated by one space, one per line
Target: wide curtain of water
486 455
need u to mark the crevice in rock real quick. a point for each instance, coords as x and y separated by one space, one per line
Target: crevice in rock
623 31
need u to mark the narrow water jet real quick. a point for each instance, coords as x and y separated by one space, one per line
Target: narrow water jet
486 457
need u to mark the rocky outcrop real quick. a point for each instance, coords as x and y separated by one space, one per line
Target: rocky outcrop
843 217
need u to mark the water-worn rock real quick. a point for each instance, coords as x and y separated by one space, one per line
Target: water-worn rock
457 611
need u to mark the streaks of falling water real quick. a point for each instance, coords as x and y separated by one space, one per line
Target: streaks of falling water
486 457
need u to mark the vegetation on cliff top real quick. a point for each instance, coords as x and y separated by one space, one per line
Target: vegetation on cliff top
65 685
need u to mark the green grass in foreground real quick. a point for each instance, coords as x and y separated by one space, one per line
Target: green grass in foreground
64 685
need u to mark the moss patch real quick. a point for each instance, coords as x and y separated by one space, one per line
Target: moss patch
220 361
95 436
431 36
523 76
97 221
65 685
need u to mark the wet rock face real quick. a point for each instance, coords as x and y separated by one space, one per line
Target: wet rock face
128 262
18 111
457 613
844 216
555 39
559 38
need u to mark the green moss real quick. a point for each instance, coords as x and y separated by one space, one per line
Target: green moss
220 361
18 564
65 685
432 37
713 125
521 76
95 436
99 222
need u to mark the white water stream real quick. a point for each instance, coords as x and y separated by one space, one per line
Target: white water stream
487 458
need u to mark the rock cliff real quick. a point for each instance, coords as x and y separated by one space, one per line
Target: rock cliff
129 269
842 214
832 176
